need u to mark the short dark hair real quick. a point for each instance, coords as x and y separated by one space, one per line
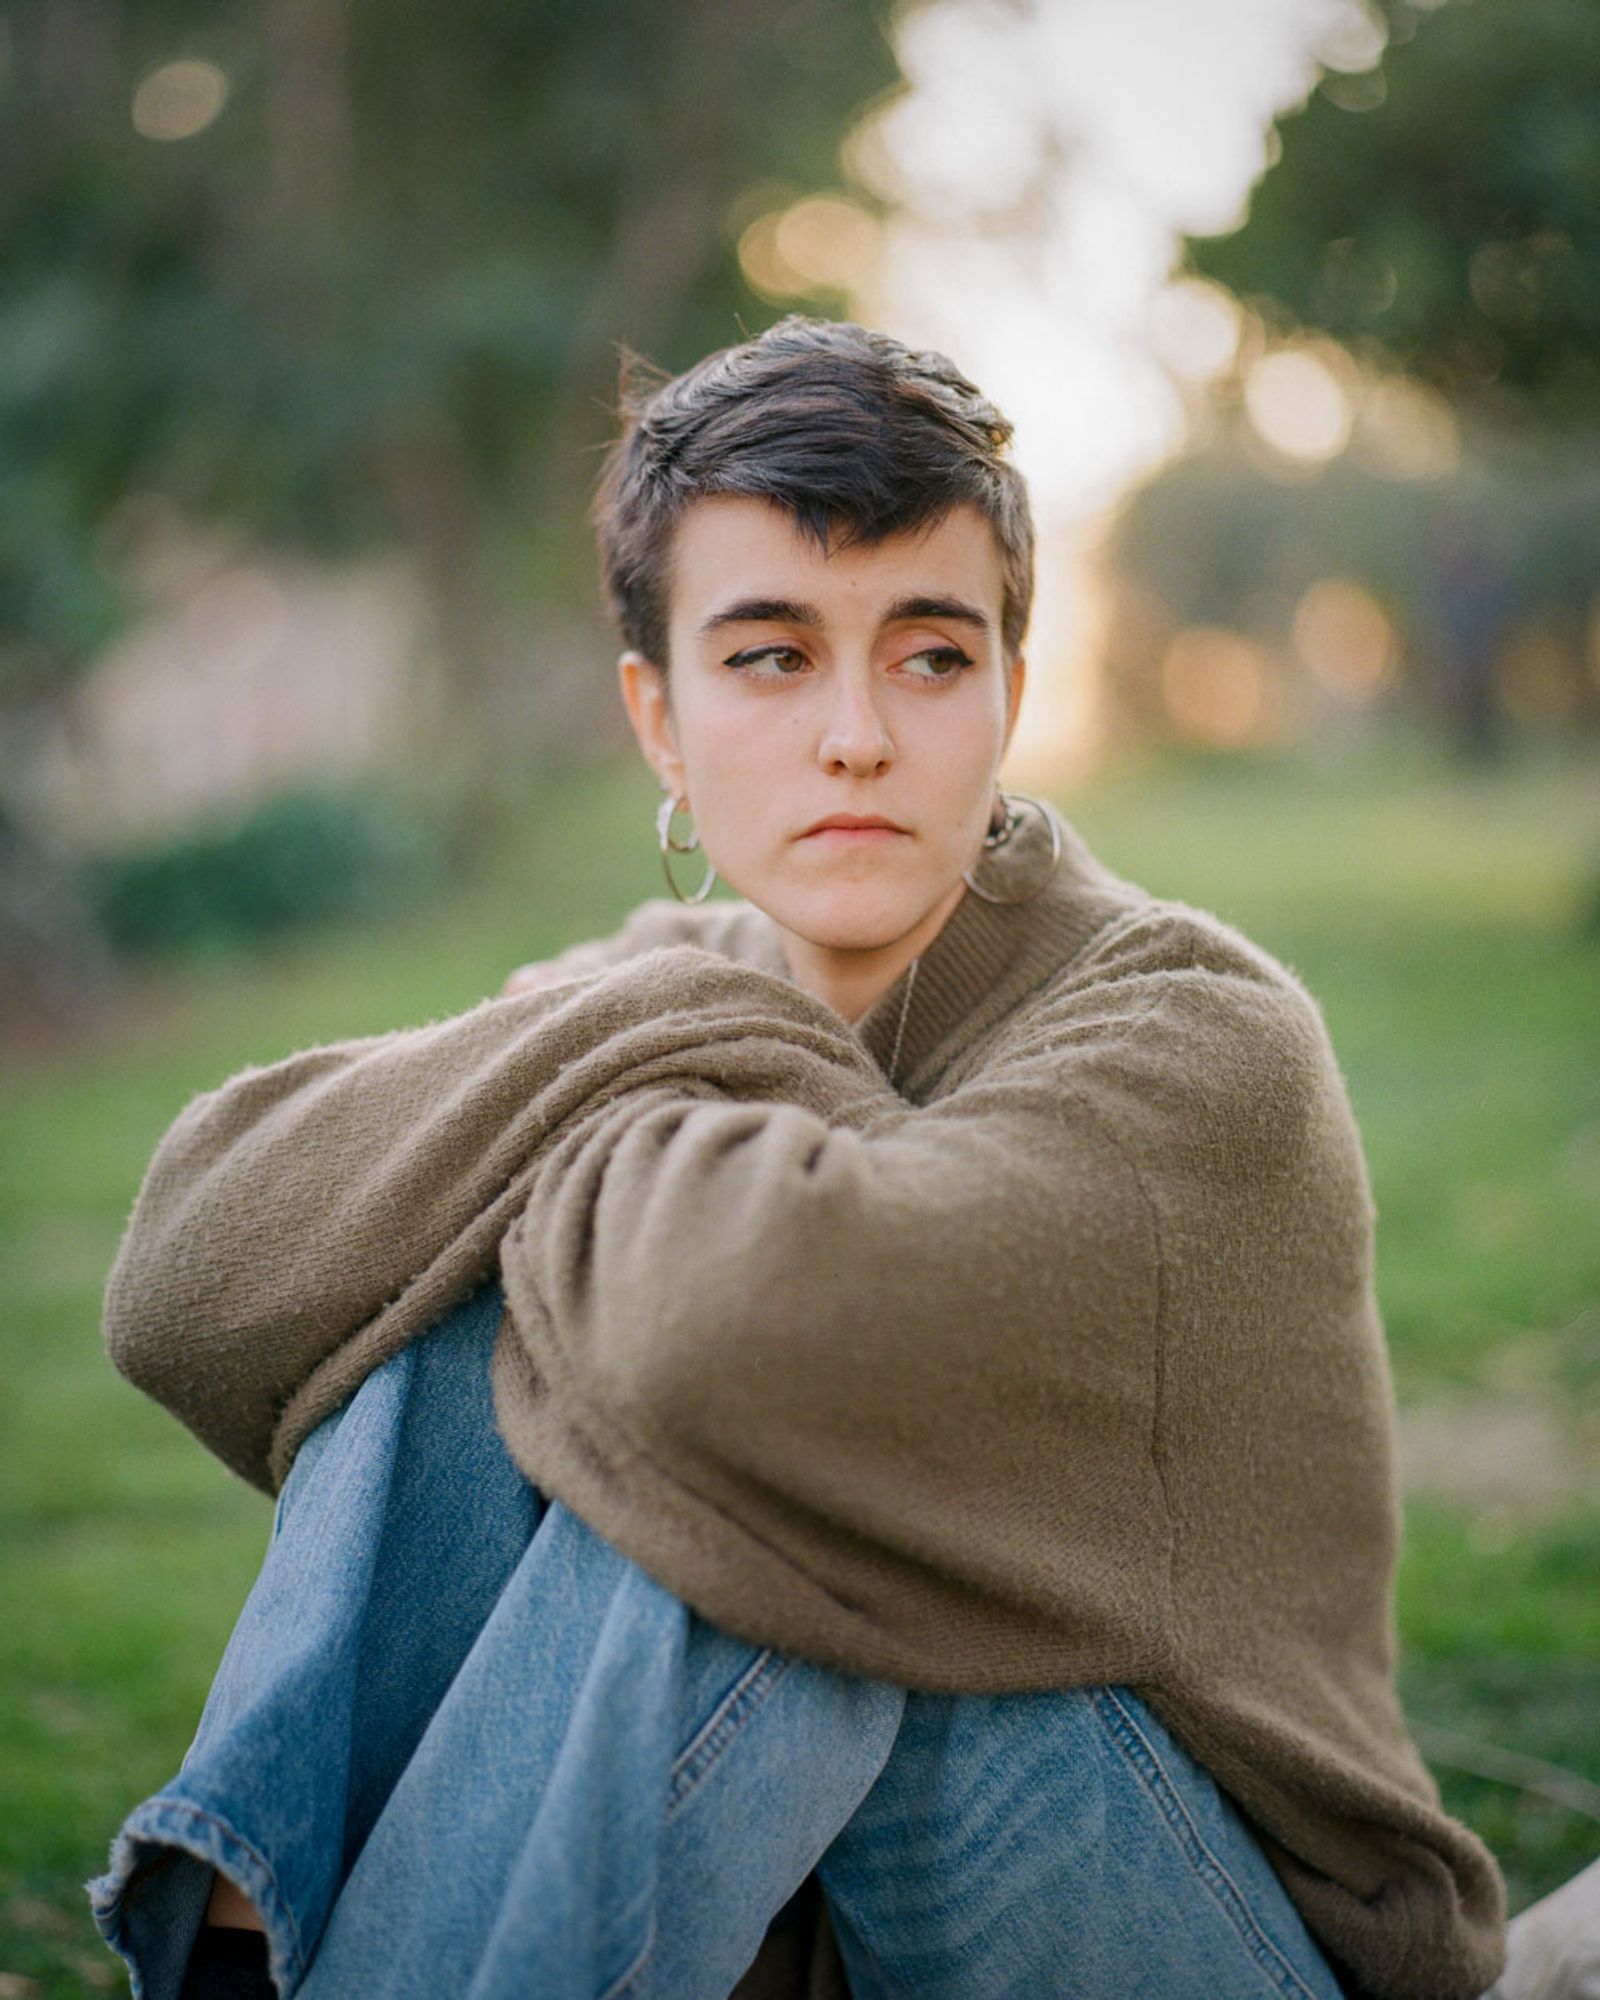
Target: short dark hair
857 436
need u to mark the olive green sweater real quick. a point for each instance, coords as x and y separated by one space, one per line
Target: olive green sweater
1021 1334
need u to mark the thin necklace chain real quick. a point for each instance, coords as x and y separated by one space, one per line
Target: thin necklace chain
905 1008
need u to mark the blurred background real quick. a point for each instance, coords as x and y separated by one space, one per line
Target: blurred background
310 317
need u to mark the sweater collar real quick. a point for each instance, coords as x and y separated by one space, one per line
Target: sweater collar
988 956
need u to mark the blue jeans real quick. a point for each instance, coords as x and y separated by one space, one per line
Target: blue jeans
459 1746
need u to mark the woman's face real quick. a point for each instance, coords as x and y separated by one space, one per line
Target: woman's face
869 682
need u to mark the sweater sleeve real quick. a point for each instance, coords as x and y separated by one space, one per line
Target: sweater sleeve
735 929
864 1369
335 1202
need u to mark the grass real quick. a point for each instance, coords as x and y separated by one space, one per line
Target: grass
1438 916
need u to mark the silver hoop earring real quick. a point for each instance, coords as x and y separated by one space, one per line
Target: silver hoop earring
671 845
1002 825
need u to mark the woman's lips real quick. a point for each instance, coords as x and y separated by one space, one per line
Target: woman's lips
852 826
856 833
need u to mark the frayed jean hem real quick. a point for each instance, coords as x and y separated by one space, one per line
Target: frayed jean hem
151 1901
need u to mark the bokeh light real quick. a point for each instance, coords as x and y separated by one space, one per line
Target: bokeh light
762 265
828 240
1355 40
1195 328
825 243
179 100
1298 405
1346 638
1219 687
1364 91
1408 429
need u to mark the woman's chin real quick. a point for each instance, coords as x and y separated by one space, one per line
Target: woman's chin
842 919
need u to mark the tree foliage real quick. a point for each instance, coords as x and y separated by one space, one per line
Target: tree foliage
1443 211
380 295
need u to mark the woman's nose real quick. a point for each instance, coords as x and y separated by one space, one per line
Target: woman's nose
854 736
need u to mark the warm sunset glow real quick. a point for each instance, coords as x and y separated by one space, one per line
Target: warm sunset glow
1059 728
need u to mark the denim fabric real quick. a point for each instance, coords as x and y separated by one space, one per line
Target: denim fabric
1057 1844
458 1745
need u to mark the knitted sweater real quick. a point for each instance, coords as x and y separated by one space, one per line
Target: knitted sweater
1020 1335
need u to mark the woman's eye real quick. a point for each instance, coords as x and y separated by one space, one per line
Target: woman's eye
942 662
783 661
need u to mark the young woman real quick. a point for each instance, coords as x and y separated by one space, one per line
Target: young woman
896 1493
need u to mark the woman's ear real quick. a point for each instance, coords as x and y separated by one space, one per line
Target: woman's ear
648 701
1016 677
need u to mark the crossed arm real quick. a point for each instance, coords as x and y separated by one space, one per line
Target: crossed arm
909 1347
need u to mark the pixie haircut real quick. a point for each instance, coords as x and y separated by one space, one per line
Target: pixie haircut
856 436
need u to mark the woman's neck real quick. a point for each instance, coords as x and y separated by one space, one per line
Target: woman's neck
849 980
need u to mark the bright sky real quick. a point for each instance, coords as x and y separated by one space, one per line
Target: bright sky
1113 125
1041 167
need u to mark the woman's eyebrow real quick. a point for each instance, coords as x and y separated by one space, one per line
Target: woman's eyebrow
937 607
762 611
790 611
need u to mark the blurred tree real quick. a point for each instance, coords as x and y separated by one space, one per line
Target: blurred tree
1443 209
351 273
1440 214
1499 548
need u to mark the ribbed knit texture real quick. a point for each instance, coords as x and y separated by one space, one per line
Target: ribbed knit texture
1056 1362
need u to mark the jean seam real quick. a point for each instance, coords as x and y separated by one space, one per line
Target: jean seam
1143 1758
627 1981
726 1720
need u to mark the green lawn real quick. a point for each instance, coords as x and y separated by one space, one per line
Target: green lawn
1438 917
